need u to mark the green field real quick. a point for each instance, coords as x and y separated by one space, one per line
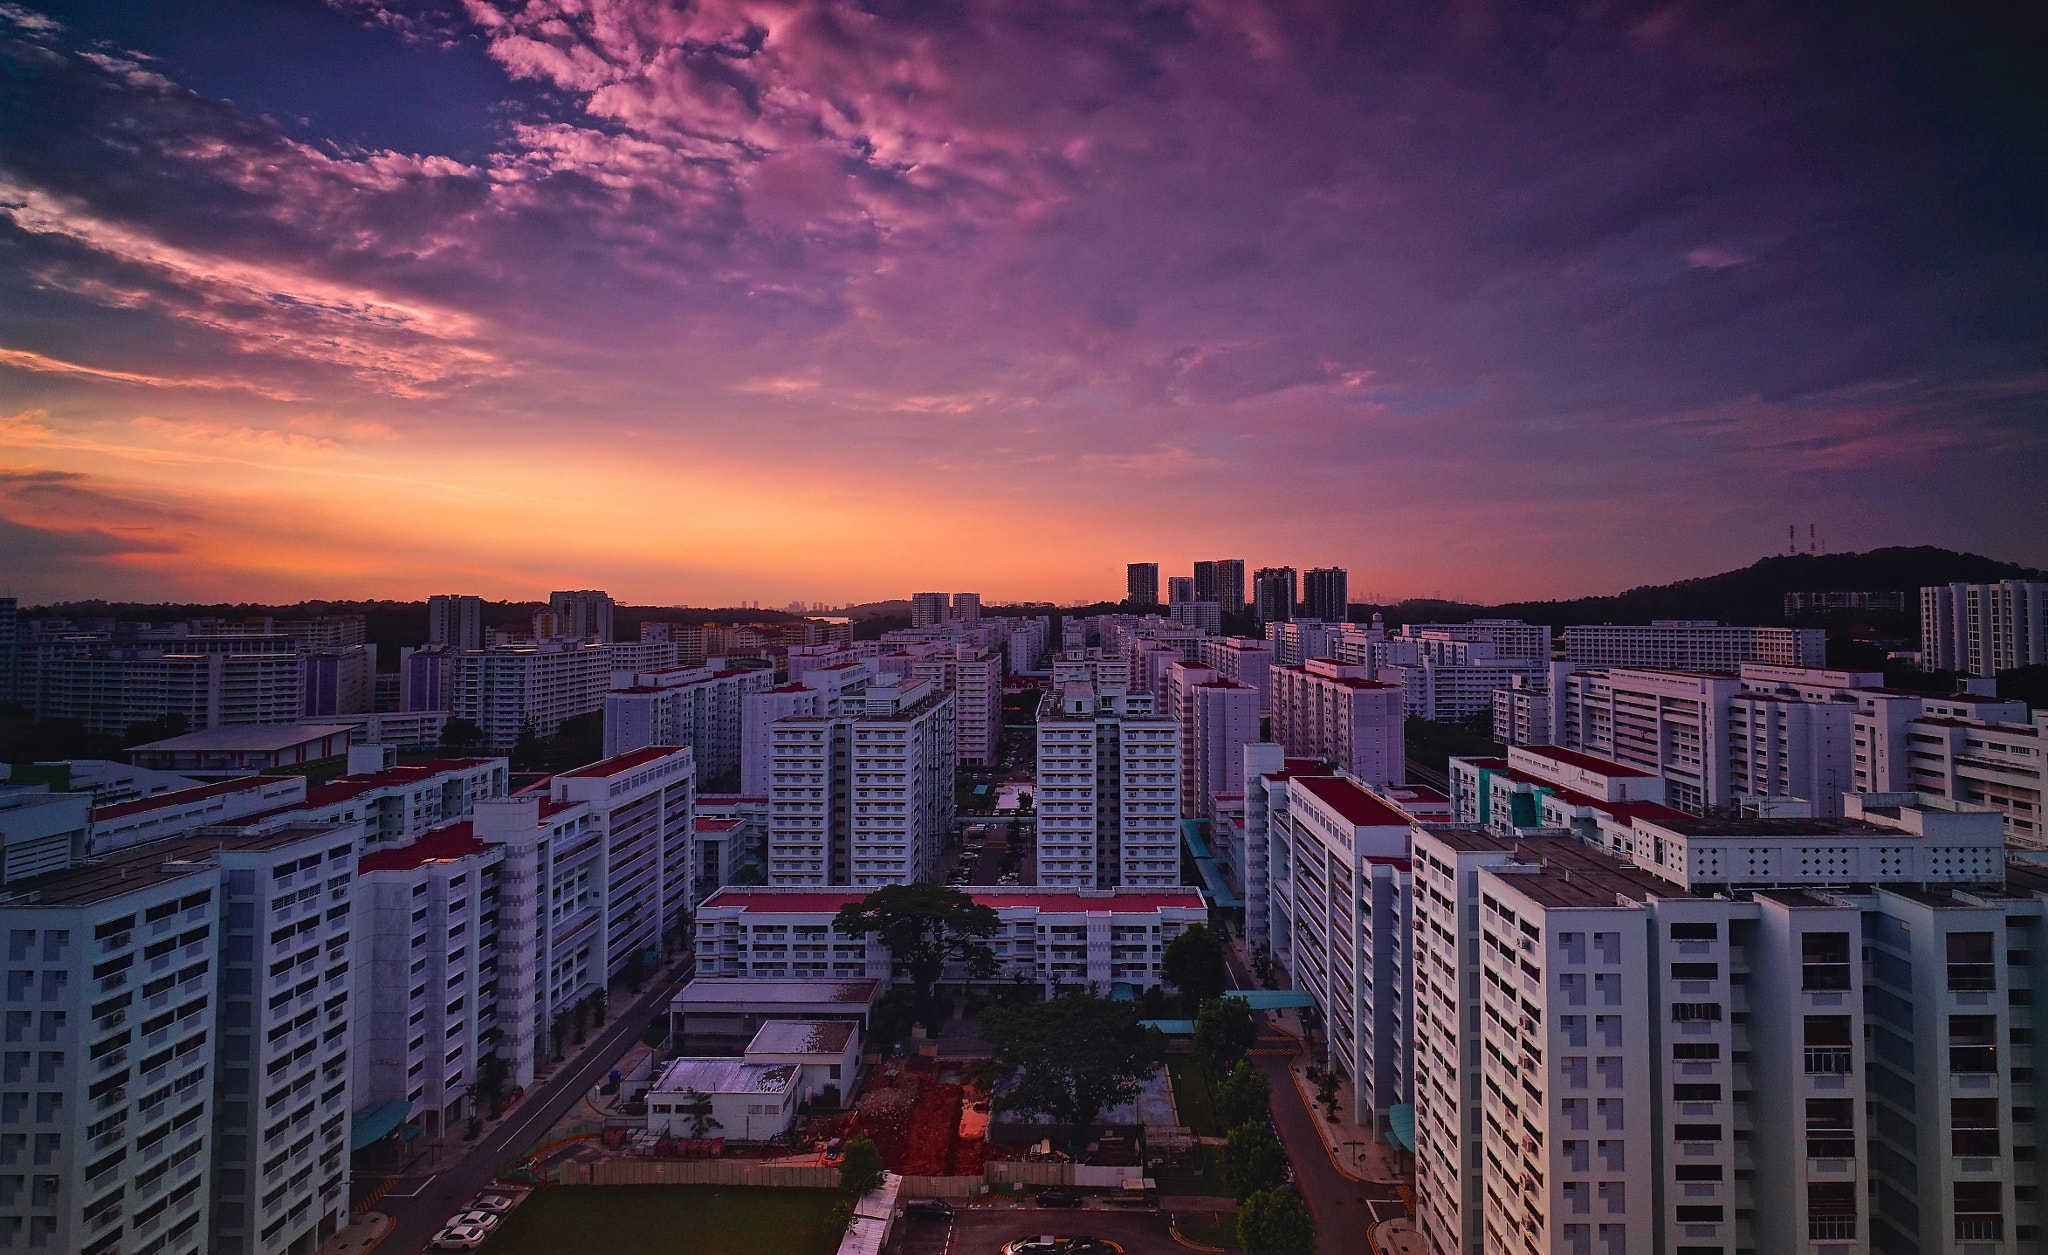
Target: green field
1193 1098
670 1220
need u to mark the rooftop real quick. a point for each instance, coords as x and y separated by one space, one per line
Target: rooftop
1353 802
725 1076
743 989
183 797
802 1037
629 761
1469 837
249 737
1589 762
439 846
1694 826
1573 875
814 901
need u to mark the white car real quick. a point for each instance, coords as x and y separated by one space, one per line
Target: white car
496 1204
485 1220
459 1238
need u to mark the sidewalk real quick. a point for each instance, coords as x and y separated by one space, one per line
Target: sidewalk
1397 1237
363 1234
1354 1150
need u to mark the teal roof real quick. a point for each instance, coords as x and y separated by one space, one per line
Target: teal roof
1401 1123
1191 832
1272 999
376 1122
1172 1028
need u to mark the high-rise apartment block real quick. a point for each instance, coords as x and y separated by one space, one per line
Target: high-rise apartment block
1335 712
966 608
455 621
534 688
927 609
821 691
974 677
1108 792
1326 594
583 615
1141 583
1274 594
864 797
1245 660
694 706
1694 645
1983 629
1221 581
1218 717
1296 642
1179 588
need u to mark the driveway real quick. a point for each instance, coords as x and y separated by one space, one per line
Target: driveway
984 1230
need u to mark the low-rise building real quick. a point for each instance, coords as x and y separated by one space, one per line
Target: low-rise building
731 1098
244 749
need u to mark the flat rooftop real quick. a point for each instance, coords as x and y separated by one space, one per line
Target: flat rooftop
1694 826
725 1076
1589 762
723 990
1575 875
1353 802
440 846
1470 837
248 737
183 797
801 901
143 866
802 1037
628 761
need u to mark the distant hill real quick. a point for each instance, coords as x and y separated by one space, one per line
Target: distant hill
1753 595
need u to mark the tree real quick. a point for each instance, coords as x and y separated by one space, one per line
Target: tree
1326 1093
696 1104
559 1030
600 1002
461 734
1224 1031
1245 1096
860 1166
1193 963
491 1074
579 1020
2026 684
925 926
635 974
1276 1222
1070 1058
1253 1159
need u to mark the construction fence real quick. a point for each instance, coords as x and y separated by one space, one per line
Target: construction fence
1001 1174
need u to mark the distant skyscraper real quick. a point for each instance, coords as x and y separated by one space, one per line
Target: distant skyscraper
1142 583
927 609
455 621
583 615
966 607
1325 594
1221 581
1273 594
1179 589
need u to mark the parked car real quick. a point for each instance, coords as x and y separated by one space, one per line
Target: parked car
496 1204
928 1208
485 1220
1059 1196
460 1237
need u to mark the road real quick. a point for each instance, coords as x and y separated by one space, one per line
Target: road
1343 1208
436 1198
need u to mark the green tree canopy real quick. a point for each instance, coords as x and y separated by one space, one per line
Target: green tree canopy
1071 1058
461 733
925 926
860 1166
1276 1222
1245 1097
1253 1159
1193 963
1224 1031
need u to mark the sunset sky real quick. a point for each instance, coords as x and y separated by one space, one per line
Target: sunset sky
746 300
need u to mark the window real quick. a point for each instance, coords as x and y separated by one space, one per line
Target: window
1830 1128
1695 1012
1696 1050
1824 961
1972 1043
1695 971
1697 1172
1696 1132
1704 931
1973 1126
1972 962
1830 1210
1696 1093
1979 1211
1828 1050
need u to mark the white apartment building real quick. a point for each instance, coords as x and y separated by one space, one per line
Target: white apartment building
864 797
1983 629
1200 616
1339 891
185 811
583 614
974 676
700 707
1217 719
255 680
1510 638
504 691
1024 643
1650 1059
455 621
927 609
426 957
966 607
1693 645
1296 642
1108 787
1996 763
822 691
1245 660
1336 712
1057 939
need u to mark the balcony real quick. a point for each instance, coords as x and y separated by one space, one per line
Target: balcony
1830 1060
1835 1228
1964 1060
1979 1226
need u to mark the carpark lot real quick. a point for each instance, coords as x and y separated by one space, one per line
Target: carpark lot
985 1230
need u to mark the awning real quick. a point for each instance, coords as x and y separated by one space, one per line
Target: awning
376 1122
1272 999
1401 1123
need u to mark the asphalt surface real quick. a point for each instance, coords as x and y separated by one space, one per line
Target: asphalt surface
984 1230
434 1199
1343 1208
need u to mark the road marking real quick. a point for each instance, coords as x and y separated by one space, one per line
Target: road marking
421 1189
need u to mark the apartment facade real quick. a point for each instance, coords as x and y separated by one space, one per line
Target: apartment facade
1326 594
1983 629
1693 645
1141 583
864 797
1108 787
1336 712
974 676
1056 939
700 707
507 691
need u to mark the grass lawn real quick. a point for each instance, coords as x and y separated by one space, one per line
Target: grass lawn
1209 1229
669 1220
1192 1097
1201 1174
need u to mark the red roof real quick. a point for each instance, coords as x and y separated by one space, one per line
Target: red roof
1353 802
1592 762
439 846
548 807
706 824
181 797
822 901
627 761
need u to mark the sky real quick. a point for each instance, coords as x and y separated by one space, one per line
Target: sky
740 299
